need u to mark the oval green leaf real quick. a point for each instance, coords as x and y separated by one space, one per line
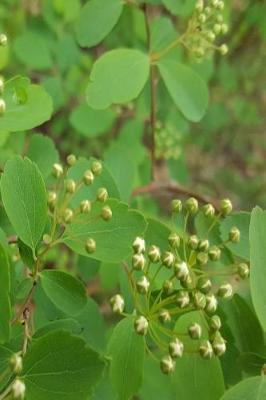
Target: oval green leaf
5 307
249 389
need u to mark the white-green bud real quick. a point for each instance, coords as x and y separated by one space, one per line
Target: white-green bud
208 209
202 258
224 29
195 331
18 389
211 304
141 325
215 323
154 254
143 285
2 85
187 283
217 29
2 107
85 206
102 194
57 170
215 3
199 300
96 168
90 246
220 5
211 36
47 239
234 235
164 316
193 242
199 6
71 160
139 245
220 18
16 363
214 253
106 213
243 270
182 299
167 286
192 205
206 350
88 177
202 18
219 345
174 240
51 199
176 348
168 259
204 245
199 52
68 215
225 291
181 270
70 185
226 207
138 262
223 49
204 285
117 303
3 39
176 206
167 365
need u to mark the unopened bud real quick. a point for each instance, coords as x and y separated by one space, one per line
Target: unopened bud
168 259
57 170
215 3
202 258
220 5
167 365
202 18
204 285
117 303
225 291
16 363
193 242
224 28
70 186
226 207
154 254
204 245
174 240
211 304
176 348
199 300
217 29
181 270
167 286
206 350
223 49
18 389
215 323
211 36
208 209
2 85
143 285
187 282
234 235
52 196
47 239
88 177
182 299
90 246
106 213
3 39
139 245
195 331
68 215
214 253
199 6
85 206
138 262
71 160
102 194
141 325
192 205
243 270
2 107
164 316
176 206
96 168
219 345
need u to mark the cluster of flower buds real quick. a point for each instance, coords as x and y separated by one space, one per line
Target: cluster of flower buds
205 27
18 388
167 141
3 42
191 282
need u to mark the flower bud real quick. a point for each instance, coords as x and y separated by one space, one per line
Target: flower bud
202 18
57 170
204 285
182 299
2 107
164 316
199 6
181 270
192 205
219 345
85 206
18 389
52 196
141 325
211 304
220 5
167 286
88 177
168 259
202 258
204 245
199 52
176 348
167 365
215 323
224 29
199 300
215 3
68 215
2 85
214 253
234 235
174 240
90 246
106 213
243 270
138 262
143 285
187 282
117 303
154 254
219 18
195 331
208 209
193 242
96 168
217 29
139 245
206 350
3 39
16 363
102 194
207 11
211 36
71 160
226 207
47 239
176 206
225 291
70 186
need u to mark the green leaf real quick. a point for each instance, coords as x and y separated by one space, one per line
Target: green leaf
68 324
188 91
5 307
59 366
257 237
42 151
249 389
91 123
240 220
126 350
106 13
117 77
24 197
27 105
180 7
162 34
65 291
252 363
5 355
113 238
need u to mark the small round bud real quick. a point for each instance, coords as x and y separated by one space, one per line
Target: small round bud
192 205
204 285
102 194
106 213
96 168
193 242
204 245
181 270
224 29
85 206
154 254
16 363
199 6
214 253
195 331
167 286
167 365
219 345
223 49
199 52
220 5
2 107
141 325
211 36
90 246
215 3
174 240
202 18
168 259
211 304
57 170
70 185
18 389
219 18
143 285
207 11
199 300
88 177
2 85
164 316
117 303
71 160
225 291
51 199
3 39
138 262
47 239
208 210
176 206
187 282
217 29
243 270
234 235
176 348
226 207
182 299
139 245
215 323
202 258
206 350
68 215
